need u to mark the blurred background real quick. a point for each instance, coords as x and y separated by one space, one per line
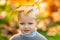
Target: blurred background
49 16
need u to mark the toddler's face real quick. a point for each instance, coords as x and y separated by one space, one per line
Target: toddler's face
27 24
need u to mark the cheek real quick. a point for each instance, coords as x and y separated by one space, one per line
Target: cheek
21 27
33 27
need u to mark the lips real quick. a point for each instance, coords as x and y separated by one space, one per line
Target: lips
26 31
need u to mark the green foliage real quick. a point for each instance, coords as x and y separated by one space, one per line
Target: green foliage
2 37
56 37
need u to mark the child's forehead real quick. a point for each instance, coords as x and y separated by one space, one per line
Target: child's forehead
27 18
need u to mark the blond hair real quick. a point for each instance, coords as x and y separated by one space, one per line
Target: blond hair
28 10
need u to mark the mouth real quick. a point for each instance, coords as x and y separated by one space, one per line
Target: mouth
26 31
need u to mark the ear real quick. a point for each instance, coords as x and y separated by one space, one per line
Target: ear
38 21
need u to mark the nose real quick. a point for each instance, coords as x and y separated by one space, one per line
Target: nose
26 26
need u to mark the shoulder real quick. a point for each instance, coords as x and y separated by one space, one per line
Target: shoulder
41 36
14 37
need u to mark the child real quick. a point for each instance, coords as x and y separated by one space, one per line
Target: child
27 17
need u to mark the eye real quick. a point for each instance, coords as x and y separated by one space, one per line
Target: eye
22 23
30 23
